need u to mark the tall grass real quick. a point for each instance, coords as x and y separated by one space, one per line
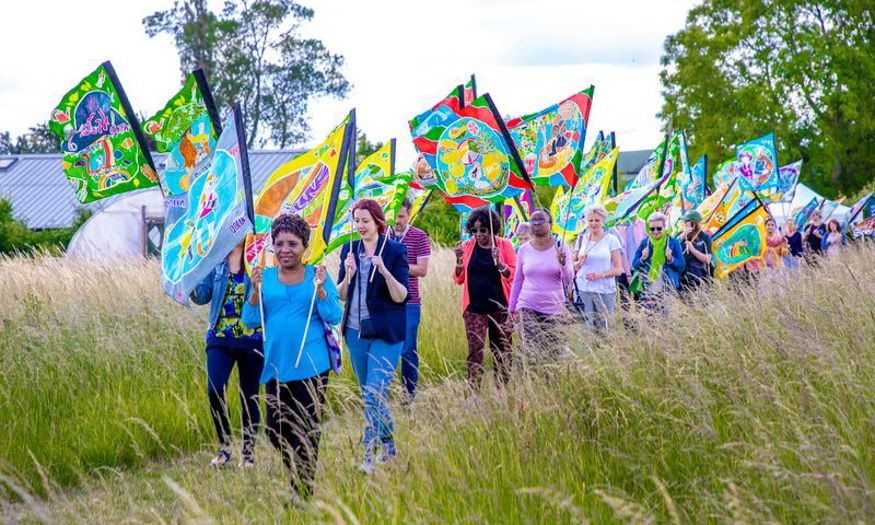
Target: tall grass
752 404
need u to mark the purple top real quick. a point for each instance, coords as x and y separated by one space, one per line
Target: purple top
539 280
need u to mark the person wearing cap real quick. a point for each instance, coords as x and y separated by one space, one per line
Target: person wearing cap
697 252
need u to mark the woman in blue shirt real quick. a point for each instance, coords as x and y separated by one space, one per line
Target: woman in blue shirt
229 342
295 394
374 280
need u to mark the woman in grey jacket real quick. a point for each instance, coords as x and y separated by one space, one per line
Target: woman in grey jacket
228 343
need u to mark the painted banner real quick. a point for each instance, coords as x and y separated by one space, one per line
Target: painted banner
474 157
187 129
828 207
624 207
440 114
568 207
726 173
757 163
742 239
517 211
105 153
651 170
863 208
218 218
732 200
418 201
550 141
788 177
375 178
695 189
801 215
307 185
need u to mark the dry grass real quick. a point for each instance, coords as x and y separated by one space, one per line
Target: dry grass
752 405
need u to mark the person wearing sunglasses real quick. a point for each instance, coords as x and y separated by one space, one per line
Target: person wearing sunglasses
659 260
537 297
485 266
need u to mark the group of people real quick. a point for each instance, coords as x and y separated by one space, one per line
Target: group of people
276 325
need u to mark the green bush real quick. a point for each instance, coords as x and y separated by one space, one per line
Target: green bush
16 237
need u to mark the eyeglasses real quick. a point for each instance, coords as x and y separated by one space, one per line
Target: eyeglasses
538 221
478 230
656 228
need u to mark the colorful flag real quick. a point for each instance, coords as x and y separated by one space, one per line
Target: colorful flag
474 157
742 239
725 174
801 215
828 207
568 207
440 114
418 201
105 153
470 91
694 189
218 218
375 178
187 129
652 169
598 151
307 185
517 211
864 208
757 163
788 176
550 141
624 206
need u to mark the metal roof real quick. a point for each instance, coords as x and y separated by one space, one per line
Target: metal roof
42 198
631 162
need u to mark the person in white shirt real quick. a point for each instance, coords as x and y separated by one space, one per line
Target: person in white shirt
596 264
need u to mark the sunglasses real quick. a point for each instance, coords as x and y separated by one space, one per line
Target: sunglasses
538 221
656 228
478 230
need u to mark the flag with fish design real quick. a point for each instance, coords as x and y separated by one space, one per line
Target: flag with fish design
219 215
550 141
741 240
307 185
105 153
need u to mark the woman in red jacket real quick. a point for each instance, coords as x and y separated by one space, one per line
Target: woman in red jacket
485 266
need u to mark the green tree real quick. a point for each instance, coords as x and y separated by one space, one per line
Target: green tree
252 53
364 147
806 70
38 139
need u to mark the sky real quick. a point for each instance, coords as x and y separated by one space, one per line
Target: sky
401 57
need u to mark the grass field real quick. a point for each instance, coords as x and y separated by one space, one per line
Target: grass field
755 405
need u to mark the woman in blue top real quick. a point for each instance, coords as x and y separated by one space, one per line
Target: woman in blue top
374 279
229 342
295 394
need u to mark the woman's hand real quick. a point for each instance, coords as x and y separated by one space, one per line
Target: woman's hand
496 257
645 253
668 255
350 265
560 256
457 249
378 263
257 277
593 276
319 278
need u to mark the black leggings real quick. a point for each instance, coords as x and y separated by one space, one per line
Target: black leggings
294 417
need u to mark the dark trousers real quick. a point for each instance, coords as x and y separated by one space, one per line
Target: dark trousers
410 354
294 425
220 362
498 327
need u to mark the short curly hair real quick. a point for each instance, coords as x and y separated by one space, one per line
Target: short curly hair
291 223
482 215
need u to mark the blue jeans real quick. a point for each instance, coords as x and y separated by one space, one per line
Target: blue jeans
220 362
374 362
409 356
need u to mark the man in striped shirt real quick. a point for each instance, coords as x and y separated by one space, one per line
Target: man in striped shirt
418 253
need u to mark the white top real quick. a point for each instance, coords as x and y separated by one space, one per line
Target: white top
598 260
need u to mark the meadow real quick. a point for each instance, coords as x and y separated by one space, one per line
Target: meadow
753 404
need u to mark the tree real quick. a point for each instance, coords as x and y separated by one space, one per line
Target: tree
251 53
38 139
364 147
806 70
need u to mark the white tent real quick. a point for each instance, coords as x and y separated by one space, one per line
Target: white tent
120 229
801 197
